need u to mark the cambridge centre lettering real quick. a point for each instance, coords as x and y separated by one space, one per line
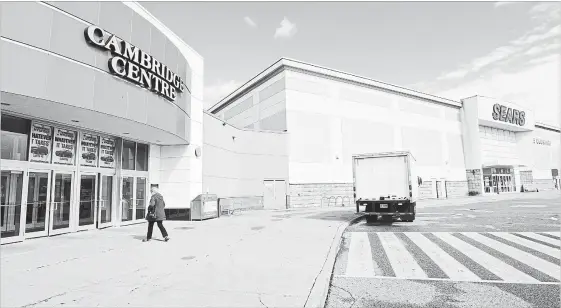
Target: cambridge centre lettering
135 65
510 115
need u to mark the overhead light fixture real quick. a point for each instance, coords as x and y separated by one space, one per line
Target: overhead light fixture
125 133
75 121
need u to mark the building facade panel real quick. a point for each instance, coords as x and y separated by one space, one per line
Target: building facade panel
237 162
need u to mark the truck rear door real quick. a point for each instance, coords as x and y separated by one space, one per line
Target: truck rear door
381 176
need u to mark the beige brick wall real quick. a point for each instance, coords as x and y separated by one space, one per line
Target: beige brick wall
544 184
456 189
474 181
425 190
315 195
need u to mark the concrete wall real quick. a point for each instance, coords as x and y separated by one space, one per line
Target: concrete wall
329 121
237 161
498 146
545 156
68 71
262 108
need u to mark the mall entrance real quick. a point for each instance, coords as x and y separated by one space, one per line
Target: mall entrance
56 180
497 180
51 202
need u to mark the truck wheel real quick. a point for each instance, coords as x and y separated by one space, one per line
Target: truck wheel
371 219
410 218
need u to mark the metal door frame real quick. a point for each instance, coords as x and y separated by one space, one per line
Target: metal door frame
78 201
17 168
53 205
99 224
121 181
47 205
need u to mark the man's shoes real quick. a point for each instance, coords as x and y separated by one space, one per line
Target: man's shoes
145 240
166 238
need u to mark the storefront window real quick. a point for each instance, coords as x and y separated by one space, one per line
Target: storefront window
141 157
129 151
135 156
15 135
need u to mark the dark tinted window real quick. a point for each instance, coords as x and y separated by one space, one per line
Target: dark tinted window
129 149
15 136
141 157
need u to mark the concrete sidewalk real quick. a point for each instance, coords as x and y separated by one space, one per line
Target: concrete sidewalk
254 259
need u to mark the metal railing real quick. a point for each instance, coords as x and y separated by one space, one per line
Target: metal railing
235 205
333 201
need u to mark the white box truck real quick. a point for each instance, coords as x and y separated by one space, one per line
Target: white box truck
386 185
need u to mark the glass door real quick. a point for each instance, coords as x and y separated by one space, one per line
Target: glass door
140 209
61 193
105 207
87 212
37 210
127 199
10 206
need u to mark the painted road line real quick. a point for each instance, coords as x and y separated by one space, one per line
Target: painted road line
492 264
540 237
450 266
550 251
539 264
445 279
359 262
402 262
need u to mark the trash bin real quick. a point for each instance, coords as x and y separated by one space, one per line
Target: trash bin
204 206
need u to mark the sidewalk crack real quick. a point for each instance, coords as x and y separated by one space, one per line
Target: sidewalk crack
348 292
262 302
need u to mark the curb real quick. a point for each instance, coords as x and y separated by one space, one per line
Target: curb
318 294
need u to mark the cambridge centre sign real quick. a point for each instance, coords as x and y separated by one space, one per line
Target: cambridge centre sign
135 65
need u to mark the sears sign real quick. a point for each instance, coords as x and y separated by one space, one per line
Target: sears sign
509 115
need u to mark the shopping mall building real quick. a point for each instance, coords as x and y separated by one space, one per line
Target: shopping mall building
100 101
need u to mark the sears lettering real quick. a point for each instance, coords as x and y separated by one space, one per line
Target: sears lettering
509 115
135 65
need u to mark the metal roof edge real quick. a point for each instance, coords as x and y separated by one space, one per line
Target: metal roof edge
286 62
548 126
155 20
364 80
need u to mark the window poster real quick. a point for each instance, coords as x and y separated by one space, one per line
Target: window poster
107 152
41 141
64 148
89 145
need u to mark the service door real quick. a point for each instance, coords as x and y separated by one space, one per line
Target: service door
274 196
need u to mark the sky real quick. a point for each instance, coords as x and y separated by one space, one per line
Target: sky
507 50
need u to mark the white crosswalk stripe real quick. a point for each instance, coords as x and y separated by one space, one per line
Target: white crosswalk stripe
530 244
540 237
360 257
541 265
465 256
454 269
403 263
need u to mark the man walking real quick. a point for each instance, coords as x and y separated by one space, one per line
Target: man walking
156 213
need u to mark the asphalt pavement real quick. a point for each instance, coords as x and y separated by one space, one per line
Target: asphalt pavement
495 253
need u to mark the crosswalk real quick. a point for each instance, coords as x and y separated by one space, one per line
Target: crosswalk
500 257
